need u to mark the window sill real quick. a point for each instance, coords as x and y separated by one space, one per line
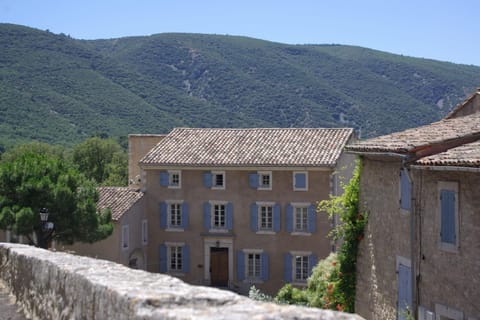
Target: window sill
301 233
174 187
218 188
176 273
299 283
264 188
213 230
172 229
298 189
448 247
265 232
253 281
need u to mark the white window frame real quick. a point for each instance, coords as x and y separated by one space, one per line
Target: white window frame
214 180
296 206
171 174
306 181
144 231
125 237
213 228
259 217
177 246
452 186
303 254
261 174
447 312
170 226
252 278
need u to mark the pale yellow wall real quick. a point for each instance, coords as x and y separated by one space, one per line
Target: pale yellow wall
138 146
387 236
451 279
242 196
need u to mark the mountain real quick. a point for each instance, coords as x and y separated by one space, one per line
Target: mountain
62 90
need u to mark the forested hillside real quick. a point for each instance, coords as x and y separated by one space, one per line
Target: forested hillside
61 90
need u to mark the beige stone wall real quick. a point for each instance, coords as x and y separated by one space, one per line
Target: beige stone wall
111 247
138 146
387 236
242 196
449 278
471 107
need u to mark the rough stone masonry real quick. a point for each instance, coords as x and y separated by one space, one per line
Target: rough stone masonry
57 285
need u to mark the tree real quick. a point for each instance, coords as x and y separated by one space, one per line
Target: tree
31 178
102 160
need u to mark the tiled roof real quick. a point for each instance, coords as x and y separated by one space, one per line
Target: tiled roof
118 199
411 139
467 155
249 147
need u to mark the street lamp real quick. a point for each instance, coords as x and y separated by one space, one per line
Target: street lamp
46 226
44 215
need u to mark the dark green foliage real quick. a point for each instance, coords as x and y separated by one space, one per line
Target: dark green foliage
60 90
32 178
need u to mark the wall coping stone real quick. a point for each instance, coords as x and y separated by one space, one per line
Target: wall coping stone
58 285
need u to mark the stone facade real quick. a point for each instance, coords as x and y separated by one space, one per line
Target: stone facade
56 285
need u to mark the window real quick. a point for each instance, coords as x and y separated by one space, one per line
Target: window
125 236
261 180
405 191
174 258
171 179
301 218
173 215
404 287
218 216
298 266
445 312
448 205
214 180
265 217
144 231
300 181
252 265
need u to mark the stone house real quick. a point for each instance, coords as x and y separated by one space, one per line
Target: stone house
421 249
237 207
127 244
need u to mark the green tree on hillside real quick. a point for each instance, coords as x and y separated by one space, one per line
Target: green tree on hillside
102 160
31 178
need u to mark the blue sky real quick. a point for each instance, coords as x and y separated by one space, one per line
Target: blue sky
444 30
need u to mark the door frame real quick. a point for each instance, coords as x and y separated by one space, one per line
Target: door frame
217 243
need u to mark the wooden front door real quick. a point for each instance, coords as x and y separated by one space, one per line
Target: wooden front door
219 267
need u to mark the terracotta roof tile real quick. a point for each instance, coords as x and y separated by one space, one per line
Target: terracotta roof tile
249 147
118 199
467 155
408 140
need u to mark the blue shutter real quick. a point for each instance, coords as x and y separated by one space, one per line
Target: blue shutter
253 180
186 259
287 267
312 218
207 223
207 180
312 262
404 290
240 265
229 216
184 216
163 258
264 270
300 180
276 217
254 217
405 191
448 228
289 218
163 215
164 178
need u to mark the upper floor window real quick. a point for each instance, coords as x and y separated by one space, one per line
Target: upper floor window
261 180
214 180
300 181
171 179
405 191
301 218
298 266
125 236
252 265
448 205
173 215
144 231
265 217
218 216
174 258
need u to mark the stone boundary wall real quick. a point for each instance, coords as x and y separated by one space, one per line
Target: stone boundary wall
57 285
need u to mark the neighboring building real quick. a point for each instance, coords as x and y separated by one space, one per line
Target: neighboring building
127 244
421 248
237 207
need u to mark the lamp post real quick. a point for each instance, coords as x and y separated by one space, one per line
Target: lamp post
46 227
